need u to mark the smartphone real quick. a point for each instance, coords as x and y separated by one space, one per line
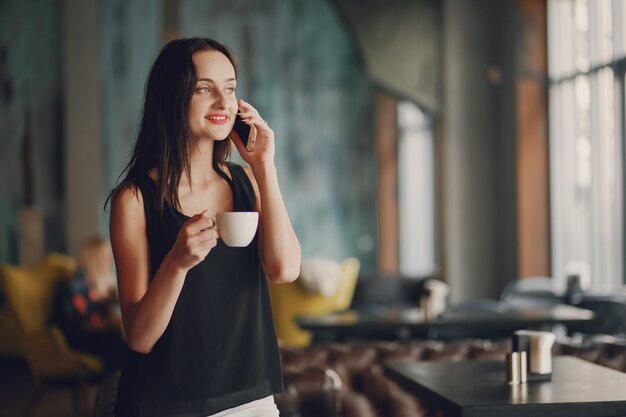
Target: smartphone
242 129
247 135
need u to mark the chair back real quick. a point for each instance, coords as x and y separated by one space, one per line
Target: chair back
609 316
531 292
30 290
349 273
291 300
373 291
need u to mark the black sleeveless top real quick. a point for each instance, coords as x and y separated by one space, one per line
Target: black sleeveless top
219 349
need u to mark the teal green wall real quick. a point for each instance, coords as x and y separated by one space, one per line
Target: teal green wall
298 65
300 68
130 41
30 107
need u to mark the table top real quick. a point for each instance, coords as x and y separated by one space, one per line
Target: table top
412 318
478 389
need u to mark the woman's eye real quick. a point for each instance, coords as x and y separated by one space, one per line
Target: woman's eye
203 90
230 90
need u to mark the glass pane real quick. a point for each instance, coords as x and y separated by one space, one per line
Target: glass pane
586 182
620 6
581 35
553 39
601 32
557 186
570 153
606 195
581 204
561 33
416 191
563 163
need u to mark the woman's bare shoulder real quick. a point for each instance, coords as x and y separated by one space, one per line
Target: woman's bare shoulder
126 198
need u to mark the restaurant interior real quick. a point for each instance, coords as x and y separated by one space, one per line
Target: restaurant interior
453 169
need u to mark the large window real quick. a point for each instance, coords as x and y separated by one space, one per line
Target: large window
586 48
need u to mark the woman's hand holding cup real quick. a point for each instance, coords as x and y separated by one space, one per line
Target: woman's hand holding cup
194 241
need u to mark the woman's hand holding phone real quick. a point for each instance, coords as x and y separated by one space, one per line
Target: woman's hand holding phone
262 149
246 133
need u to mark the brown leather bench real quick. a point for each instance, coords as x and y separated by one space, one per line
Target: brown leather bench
347 380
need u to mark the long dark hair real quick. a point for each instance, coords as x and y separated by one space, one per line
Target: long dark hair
165 138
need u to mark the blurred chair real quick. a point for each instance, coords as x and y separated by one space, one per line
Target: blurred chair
30 292
374 291
104 405
610 315
310 391
481 305
291 300
531 292
9 336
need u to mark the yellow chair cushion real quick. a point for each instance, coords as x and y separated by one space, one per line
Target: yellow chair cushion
9 336
30 290
49 356
31 293
290 301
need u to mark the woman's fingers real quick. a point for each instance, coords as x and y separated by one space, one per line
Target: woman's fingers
200 222
203 236
207 235
246 116
246 107
201 244
196 239
260 141
249 114
256 121
253 119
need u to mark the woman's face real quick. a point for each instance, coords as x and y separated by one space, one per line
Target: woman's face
213 105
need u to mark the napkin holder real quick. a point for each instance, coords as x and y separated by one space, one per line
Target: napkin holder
538 348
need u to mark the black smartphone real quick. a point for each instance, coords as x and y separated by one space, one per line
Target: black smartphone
242 129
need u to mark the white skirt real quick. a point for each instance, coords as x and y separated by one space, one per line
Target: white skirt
265 407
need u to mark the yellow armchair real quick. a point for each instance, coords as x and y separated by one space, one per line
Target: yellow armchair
30 292
9 335
291 300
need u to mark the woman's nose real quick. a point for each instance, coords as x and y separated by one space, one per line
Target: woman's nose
220 100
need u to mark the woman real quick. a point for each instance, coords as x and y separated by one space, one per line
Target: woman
196 313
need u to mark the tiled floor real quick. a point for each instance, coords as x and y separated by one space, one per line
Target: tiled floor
16 389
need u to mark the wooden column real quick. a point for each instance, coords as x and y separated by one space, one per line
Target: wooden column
533 178
387 161
171 17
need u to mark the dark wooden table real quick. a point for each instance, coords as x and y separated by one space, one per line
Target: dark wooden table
478 389
409 322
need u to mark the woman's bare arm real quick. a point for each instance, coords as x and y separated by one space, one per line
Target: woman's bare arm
278 245
147 306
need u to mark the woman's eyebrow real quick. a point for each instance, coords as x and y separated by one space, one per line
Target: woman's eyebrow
211 81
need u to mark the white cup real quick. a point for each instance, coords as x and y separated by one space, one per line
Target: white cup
237 228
